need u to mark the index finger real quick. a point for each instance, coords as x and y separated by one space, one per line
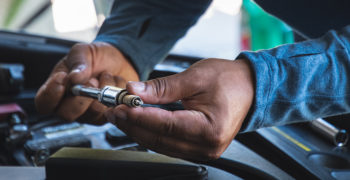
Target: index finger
51 93
78 63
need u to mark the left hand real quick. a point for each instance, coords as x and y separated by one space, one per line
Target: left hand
216 94
96 64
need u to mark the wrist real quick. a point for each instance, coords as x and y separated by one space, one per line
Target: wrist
248 83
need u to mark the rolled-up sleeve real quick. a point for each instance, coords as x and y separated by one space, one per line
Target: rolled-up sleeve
145 30
301 81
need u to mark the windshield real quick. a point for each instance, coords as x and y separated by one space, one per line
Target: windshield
67 19
217 33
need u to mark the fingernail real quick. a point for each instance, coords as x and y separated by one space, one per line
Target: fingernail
93 82
137 86
60 77
79 68
120 115
110 117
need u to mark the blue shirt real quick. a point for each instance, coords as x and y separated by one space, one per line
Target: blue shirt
294 82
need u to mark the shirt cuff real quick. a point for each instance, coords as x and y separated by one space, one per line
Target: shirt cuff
261 70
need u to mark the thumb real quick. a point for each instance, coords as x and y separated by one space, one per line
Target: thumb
161 90
79 62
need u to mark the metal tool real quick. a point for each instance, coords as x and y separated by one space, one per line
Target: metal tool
338 136
109 95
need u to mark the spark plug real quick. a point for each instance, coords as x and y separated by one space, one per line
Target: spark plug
109 95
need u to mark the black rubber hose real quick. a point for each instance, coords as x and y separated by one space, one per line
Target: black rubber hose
239 169
234 167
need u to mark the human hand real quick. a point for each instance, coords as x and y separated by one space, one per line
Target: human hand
216 94
96 64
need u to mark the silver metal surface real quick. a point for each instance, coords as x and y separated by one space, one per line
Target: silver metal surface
109 95
338 136
80 90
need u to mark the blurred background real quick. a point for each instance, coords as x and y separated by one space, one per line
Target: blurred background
36 34
226 28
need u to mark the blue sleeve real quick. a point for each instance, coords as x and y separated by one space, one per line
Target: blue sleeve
301 81
145 30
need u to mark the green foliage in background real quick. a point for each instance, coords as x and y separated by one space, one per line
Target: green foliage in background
266 31
12 12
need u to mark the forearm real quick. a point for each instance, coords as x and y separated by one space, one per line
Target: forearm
301 81
145 30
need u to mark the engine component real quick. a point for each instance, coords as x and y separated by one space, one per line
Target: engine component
13 126
109 95
11 78
338 136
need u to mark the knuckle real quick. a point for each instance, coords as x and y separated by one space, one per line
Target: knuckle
106 76
196 73
66 116
197 77
168 127
78 46
120 81
97 108
158 86
78 50
216 139
214 154
217 143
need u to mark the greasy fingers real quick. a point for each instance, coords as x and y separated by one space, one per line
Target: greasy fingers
50 94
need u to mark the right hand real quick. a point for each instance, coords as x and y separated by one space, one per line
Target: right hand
216 94
96 64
